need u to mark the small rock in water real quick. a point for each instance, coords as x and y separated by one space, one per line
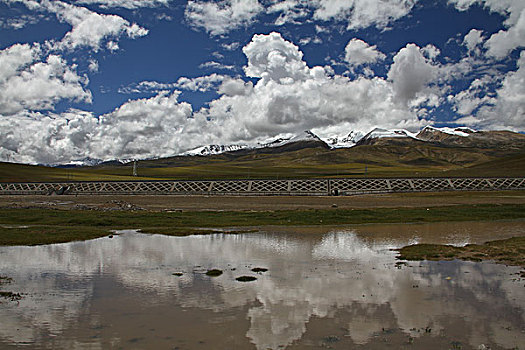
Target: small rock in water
214 273
246 278
259 269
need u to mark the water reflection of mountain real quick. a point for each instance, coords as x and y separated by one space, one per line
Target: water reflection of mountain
313 276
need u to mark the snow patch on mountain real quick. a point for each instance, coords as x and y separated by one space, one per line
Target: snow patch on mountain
213 149
77 163
281 141
305 136
379 133
347 141
460 131
273 142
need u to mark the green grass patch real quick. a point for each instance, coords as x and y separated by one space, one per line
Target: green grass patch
35 235
46 226
507 251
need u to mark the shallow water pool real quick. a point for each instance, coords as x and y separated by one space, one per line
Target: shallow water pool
328 287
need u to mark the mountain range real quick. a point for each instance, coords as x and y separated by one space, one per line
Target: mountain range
432 151
463 137
457 137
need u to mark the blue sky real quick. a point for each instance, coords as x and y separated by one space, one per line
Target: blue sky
129 79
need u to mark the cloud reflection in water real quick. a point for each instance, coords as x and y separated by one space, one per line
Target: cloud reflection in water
310 276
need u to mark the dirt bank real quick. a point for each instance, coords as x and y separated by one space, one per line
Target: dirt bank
202 203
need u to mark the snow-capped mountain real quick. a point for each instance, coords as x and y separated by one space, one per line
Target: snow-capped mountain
306 136
466 137
213 149
460 136
379 133
347 141
430 133
78 163
303 136
350 140
273 143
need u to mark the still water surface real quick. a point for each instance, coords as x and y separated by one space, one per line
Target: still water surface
325 287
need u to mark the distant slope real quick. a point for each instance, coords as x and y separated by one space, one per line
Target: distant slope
11 172
511 166
503 140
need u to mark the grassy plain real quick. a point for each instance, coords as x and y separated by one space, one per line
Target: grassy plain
44 226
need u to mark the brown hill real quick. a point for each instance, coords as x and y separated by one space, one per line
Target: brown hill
507 140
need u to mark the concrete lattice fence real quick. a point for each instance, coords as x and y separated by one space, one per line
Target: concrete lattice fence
305 187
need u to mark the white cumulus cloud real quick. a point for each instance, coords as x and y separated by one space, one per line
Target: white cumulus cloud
202 84
290 11
89 28
128 4
270 57
500 44
93 66
216 65
473 39
289 97
468 100
363 13
220 17
26 82
146 86
144 128
508 107
358 52
232 87
411 73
